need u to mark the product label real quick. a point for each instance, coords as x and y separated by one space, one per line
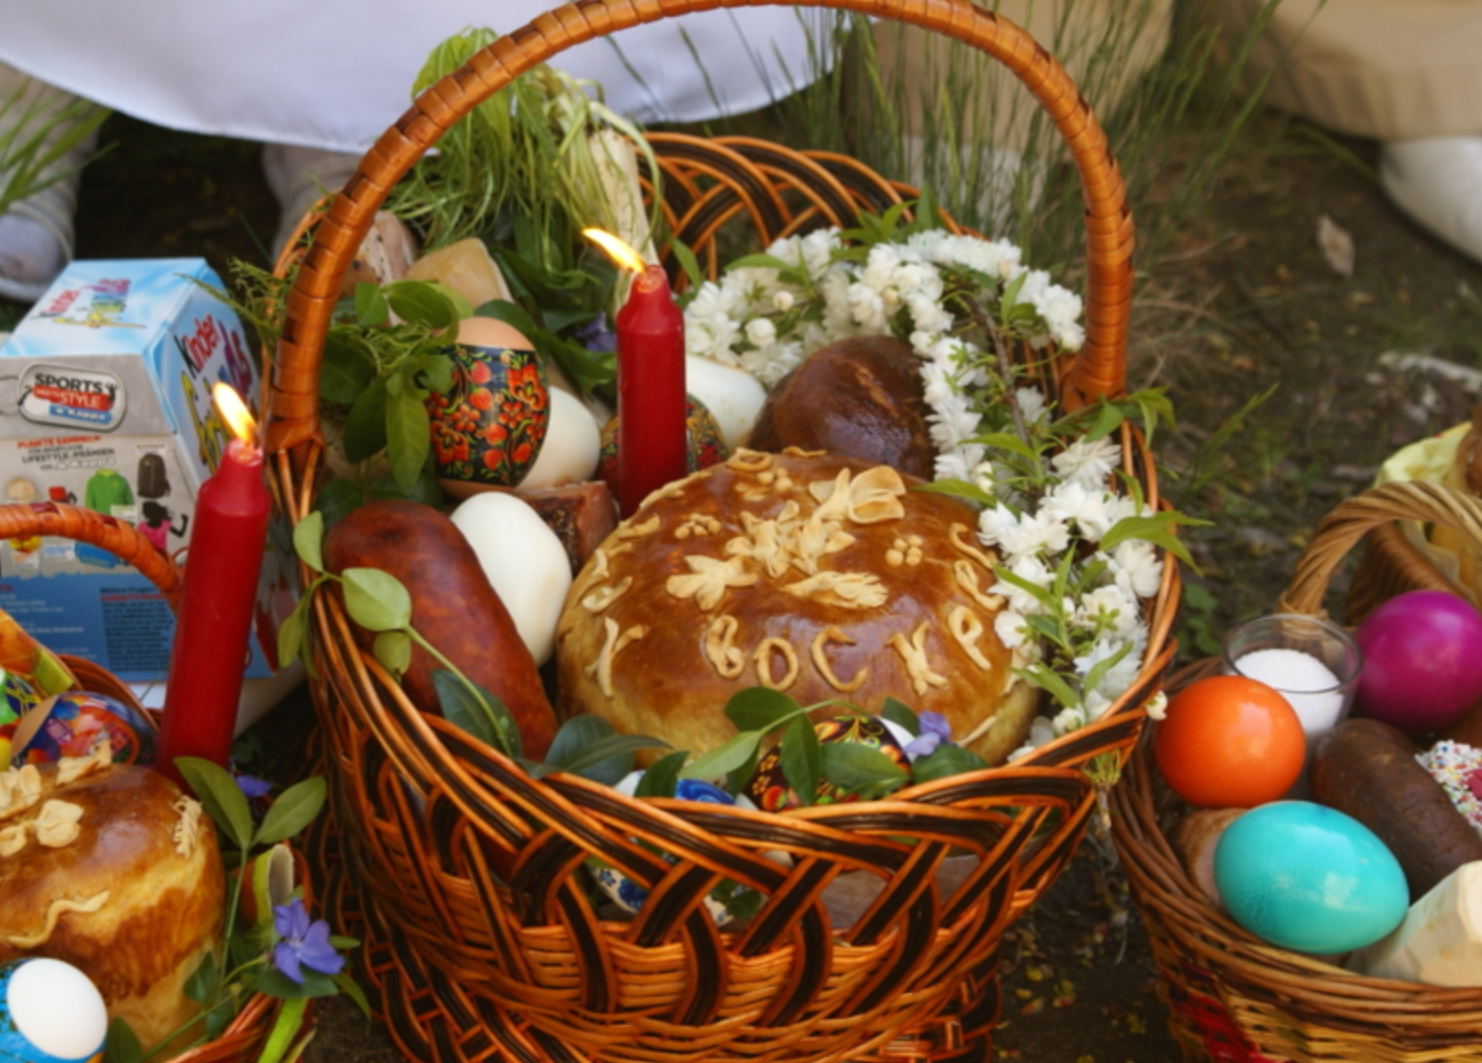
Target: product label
72 397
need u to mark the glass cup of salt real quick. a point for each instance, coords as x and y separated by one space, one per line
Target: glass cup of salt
1313 664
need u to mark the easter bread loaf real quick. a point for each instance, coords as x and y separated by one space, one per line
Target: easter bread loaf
112 869
821 576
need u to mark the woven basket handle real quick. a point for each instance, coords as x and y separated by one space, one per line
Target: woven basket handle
119 538
1341 530
1100 367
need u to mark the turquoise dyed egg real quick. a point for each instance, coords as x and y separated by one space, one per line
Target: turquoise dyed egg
1309 878
50 1012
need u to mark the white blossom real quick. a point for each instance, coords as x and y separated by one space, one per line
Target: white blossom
1158 706
1107 609
953 422
1008 625
1096 703
1068 719
1090 510
1088 463
761 332
927 313
712 337
782 301
1061 311
867 307
1033 533
818 249
1031 404
1029 569
1136 567
953 465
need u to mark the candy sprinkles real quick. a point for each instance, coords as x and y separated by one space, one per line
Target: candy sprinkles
1458 768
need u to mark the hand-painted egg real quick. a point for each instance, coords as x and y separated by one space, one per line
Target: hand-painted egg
733 396
706 444
70 725
572 445
768 783
50 1012
489 426
1309 878
630 896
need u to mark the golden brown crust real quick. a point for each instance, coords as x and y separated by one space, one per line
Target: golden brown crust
822 576
160 911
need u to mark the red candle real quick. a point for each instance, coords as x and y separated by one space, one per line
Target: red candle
216 604
652 441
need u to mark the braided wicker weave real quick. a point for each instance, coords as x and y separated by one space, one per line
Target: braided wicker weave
1390 565
1230 996
480 937
243 1039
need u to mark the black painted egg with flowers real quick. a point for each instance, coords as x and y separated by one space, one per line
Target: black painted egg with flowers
489 427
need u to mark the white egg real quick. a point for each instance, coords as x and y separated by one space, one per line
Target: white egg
733 396
56 1009
525 562
572 444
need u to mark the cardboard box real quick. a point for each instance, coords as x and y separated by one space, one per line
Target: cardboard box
105 402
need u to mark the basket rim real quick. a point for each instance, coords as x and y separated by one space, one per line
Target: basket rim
1098 369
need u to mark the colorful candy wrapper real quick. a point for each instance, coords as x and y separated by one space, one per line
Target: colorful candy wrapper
70 725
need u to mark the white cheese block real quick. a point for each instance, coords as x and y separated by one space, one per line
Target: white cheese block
1439 942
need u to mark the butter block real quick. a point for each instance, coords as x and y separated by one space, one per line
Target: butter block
1440 940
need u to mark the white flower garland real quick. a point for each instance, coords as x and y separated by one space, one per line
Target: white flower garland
1078 627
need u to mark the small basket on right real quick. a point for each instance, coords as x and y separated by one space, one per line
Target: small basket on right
1231 997
1391 565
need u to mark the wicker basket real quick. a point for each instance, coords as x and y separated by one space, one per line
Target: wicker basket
1391 565
480 937
1232 997
243 1039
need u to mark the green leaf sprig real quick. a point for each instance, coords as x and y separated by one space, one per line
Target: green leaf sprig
806 762
225 977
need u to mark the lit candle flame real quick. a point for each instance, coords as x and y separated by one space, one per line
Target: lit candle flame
238 419
621 253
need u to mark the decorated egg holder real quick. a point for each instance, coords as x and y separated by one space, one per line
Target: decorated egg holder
1232 997
244 1037
482 934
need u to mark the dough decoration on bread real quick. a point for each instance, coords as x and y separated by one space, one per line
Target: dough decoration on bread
817 575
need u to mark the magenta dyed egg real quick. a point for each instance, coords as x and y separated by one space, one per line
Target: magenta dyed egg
1422 661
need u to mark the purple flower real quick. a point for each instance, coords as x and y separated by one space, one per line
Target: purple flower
304 943
934 730
252 786
596 336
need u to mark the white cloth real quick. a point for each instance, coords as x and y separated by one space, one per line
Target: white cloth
336 75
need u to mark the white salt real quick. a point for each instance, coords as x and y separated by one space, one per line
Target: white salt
1308 685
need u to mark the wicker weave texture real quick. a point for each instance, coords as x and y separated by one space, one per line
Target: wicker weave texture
1231 996
467 874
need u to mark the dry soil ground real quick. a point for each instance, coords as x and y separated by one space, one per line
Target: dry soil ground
1270 313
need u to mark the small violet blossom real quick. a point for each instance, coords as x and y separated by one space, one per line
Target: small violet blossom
934 731
252 787
303 944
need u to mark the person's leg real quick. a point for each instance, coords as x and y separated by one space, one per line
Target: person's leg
1437 181
36 234
299 177
1402 72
